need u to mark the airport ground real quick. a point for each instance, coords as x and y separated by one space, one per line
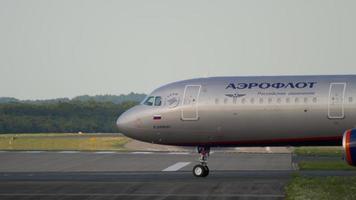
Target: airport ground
134 170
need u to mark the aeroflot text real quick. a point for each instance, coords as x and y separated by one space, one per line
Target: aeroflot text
298 85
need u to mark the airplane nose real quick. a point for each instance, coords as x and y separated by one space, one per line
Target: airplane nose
132 123
122 123
125 123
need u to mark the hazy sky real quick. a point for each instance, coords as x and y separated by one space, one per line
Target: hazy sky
65 48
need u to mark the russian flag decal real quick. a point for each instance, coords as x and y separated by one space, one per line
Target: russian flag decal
157 117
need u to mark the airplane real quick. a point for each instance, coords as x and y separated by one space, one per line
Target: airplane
255 111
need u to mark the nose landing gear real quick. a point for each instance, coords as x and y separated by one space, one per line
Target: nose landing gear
202 170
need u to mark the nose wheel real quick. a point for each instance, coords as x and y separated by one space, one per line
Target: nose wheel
202 169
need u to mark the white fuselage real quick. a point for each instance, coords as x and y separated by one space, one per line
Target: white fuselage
246 111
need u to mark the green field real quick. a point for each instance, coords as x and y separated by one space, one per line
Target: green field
333 188
325 165
319 151
322 164
62 141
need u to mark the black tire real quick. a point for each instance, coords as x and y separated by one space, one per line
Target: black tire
206 171
199 171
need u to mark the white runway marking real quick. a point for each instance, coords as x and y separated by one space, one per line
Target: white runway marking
179 153
68 152
104 152
176 167
142 152
32 151
268 149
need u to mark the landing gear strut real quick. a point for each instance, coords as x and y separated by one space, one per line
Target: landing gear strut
202 170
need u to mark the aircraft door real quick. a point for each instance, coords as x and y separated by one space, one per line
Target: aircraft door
190 102
336 101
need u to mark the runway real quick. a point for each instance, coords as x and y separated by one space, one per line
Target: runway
142 175
180 185
75 161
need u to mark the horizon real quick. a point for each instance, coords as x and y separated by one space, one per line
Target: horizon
132 92
71 98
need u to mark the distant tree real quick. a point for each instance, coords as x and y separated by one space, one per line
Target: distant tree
117 99
112 98
8 100
71 116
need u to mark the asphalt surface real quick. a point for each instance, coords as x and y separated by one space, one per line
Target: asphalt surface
144 185
73 161
143 175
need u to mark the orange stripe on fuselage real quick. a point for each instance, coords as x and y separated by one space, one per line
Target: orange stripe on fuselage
347 148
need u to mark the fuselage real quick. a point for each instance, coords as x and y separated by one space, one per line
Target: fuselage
246 111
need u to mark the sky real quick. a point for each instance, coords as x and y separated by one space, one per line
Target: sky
65 48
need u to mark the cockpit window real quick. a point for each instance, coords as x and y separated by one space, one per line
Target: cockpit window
158 101
149 101
153 101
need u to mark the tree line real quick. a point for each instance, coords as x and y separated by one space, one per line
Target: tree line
61 117
117 99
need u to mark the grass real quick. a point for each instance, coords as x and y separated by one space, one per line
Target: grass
70 141
325 165
319 151
305 188
36 134
322 164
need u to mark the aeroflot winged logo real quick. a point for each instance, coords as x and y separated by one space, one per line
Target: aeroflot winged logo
266 85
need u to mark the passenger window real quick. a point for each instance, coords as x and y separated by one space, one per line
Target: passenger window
270 100
216 101
350 99
158 101
243 101
315 99
252 100
279 100
261 100
287 100
225 101
149 101
296 100
306 100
